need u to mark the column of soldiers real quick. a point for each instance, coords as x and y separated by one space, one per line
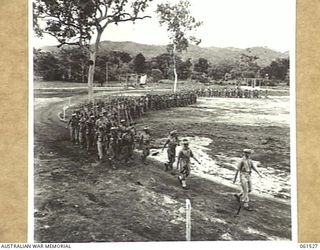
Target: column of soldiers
230 92
107 128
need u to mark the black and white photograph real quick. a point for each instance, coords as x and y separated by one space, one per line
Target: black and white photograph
163 121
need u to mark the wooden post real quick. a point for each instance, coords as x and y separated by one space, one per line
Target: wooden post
188 220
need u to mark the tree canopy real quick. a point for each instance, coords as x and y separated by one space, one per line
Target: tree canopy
77 22
277 70
139 63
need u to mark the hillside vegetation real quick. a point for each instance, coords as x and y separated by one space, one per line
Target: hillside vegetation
214 55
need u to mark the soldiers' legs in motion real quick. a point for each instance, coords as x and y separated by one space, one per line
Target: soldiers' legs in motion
117 151
107 155
112 156
171 158
145 153
131 150
100 148
88 142
81 138
249 185
70 131
77 135
185 171
125 153
72 134
246 188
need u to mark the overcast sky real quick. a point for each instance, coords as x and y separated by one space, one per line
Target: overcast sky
226 23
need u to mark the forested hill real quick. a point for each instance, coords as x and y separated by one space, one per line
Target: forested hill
212 54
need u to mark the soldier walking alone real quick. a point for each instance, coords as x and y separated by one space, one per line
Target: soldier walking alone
245 166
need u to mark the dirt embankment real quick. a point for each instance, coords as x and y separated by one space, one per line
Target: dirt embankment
78 200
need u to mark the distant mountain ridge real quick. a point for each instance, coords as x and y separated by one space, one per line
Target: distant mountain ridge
214 55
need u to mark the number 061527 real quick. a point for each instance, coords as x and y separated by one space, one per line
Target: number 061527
309 245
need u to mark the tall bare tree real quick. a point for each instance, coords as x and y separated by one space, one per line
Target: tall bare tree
78 22
180 24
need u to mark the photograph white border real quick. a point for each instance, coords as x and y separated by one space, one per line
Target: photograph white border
176 245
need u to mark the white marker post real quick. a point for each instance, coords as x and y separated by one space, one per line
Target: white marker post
188 220
64 113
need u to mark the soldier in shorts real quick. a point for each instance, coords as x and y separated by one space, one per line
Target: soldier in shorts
245 167
114 144
172 143
73 126
82 130
145 144
100 139
132 132
126 145
89 132
183 163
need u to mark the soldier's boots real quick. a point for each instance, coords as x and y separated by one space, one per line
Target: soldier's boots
237 197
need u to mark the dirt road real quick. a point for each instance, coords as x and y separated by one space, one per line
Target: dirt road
78 200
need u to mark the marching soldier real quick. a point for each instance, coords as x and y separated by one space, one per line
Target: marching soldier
172 143
82 130
184 164
73 126
114 144
89 132
121 130
100 139
133 133
245 168
126 145
145 138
